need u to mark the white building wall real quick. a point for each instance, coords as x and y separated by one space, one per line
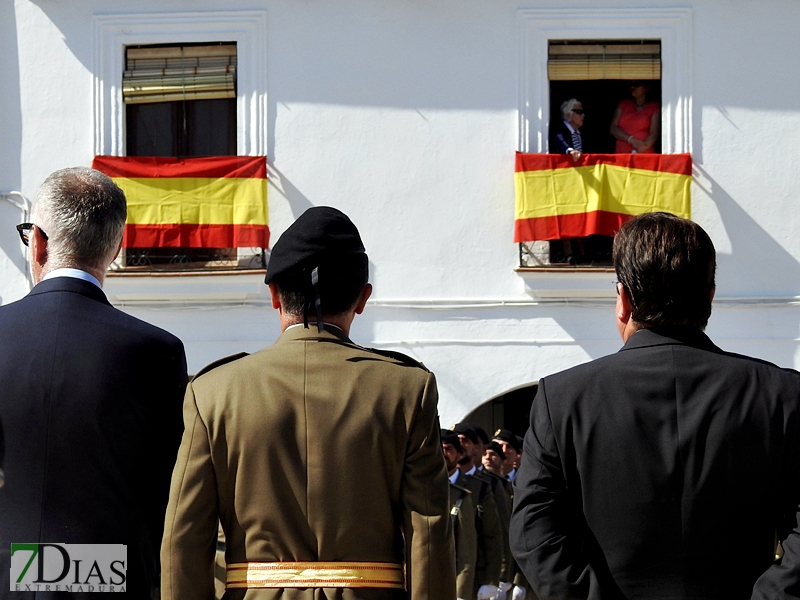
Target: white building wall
405 116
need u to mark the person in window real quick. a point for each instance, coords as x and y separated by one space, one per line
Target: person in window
565 137
637 122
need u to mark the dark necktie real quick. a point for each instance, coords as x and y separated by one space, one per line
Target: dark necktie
576 141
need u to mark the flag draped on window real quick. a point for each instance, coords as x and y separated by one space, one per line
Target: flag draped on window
210 202
558 198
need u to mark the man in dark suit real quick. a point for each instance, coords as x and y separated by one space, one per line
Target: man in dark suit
669 469
91 397
565 135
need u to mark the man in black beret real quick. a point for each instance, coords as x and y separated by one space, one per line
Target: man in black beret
320 458
512 447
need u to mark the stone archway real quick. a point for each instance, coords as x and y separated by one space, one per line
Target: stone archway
510 410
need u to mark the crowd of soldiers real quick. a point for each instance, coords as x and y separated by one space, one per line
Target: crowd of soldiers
481 473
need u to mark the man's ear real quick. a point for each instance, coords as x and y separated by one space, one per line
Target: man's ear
362 301
273 294
624 308
38 246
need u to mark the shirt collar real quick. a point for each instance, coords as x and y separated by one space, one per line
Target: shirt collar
454 477
571 128
74 273
471 471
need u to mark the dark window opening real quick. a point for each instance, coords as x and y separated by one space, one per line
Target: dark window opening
180 100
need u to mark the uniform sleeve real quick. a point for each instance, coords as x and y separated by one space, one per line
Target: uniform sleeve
546 537
425 497
190 531
504 512
466 549
492 533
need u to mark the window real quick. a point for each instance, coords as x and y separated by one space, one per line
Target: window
147 121
598 73
180 101
592 54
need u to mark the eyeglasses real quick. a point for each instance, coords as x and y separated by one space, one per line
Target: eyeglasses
578 111
616 286
24 230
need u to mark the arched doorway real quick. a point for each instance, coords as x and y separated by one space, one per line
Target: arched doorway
510 410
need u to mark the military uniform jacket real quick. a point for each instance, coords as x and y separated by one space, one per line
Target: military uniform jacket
490 535
313 449
462 513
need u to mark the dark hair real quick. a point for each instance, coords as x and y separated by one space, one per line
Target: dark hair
666 264
341 282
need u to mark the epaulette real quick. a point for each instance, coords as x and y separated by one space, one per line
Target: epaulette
460 488
404 358
219 363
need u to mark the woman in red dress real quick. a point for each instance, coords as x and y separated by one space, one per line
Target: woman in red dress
637 123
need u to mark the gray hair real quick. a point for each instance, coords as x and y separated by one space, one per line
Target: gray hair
83 213
567 106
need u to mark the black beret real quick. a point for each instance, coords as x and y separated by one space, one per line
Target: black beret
479 431
495 447
504 435
321 233
467 431
450 437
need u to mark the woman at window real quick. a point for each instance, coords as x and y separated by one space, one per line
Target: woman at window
637 122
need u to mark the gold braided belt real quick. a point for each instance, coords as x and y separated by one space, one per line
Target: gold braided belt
315 575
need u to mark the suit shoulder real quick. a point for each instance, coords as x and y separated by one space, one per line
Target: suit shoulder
218 363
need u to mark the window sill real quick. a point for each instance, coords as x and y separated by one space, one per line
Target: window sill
568 283
217 287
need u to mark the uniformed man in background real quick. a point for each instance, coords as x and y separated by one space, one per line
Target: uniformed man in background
490 563
320 458
512 448
462 513
494 458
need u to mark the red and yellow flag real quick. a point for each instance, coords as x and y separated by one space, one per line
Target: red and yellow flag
210 202
559 198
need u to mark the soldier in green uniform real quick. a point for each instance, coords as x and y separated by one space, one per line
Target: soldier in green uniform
320 458
490 529
462 513
501 488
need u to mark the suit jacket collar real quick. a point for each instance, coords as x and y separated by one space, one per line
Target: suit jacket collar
663 336
70 284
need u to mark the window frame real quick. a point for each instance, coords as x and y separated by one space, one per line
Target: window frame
535 28
112 33
673 26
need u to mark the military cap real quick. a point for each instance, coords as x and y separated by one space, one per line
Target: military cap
320 233
467 431
451 437
495 447
504 435
480 432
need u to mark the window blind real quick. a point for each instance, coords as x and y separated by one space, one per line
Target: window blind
169 73
582 62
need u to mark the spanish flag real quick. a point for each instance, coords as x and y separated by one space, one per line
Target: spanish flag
210 202
559 198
